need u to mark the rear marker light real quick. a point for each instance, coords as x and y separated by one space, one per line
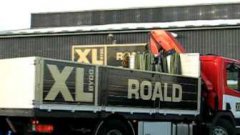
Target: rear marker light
42 128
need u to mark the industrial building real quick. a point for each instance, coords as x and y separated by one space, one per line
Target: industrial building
208 29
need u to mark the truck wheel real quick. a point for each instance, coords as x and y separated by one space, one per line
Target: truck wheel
223 127
113 127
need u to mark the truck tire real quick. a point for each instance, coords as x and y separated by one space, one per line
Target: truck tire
113 127
223 127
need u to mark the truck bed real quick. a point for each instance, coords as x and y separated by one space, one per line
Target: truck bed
35 83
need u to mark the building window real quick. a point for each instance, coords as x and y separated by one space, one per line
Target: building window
233 77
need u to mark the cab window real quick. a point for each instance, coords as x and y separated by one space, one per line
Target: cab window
233 77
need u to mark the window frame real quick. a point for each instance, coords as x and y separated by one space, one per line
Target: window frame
237 66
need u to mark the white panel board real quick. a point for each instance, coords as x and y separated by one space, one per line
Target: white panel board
17 83
190 64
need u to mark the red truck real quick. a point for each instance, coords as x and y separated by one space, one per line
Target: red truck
221 92
220 85
47 96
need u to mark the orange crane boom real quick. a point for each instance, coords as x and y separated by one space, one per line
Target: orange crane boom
163 40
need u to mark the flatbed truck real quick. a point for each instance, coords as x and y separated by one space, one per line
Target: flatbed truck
47 96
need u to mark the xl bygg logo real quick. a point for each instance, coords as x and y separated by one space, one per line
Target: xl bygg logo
104 54
89 55
80 90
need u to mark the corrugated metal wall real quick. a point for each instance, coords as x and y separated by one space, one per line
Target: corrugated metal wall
160 14
216 41
59 46
221 42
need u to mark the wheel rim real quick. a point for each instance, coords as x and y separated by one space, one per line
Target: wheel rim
114 132
219 131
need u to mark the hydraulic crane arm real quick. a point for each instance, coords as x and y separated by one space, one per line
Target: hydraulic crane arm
161 40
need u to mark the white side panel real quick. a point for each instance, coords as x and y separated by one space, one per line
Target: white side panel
234 104
17 83
154 128
190 63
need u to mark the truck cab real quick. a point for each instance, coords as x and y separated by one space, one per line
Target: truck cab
223 88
